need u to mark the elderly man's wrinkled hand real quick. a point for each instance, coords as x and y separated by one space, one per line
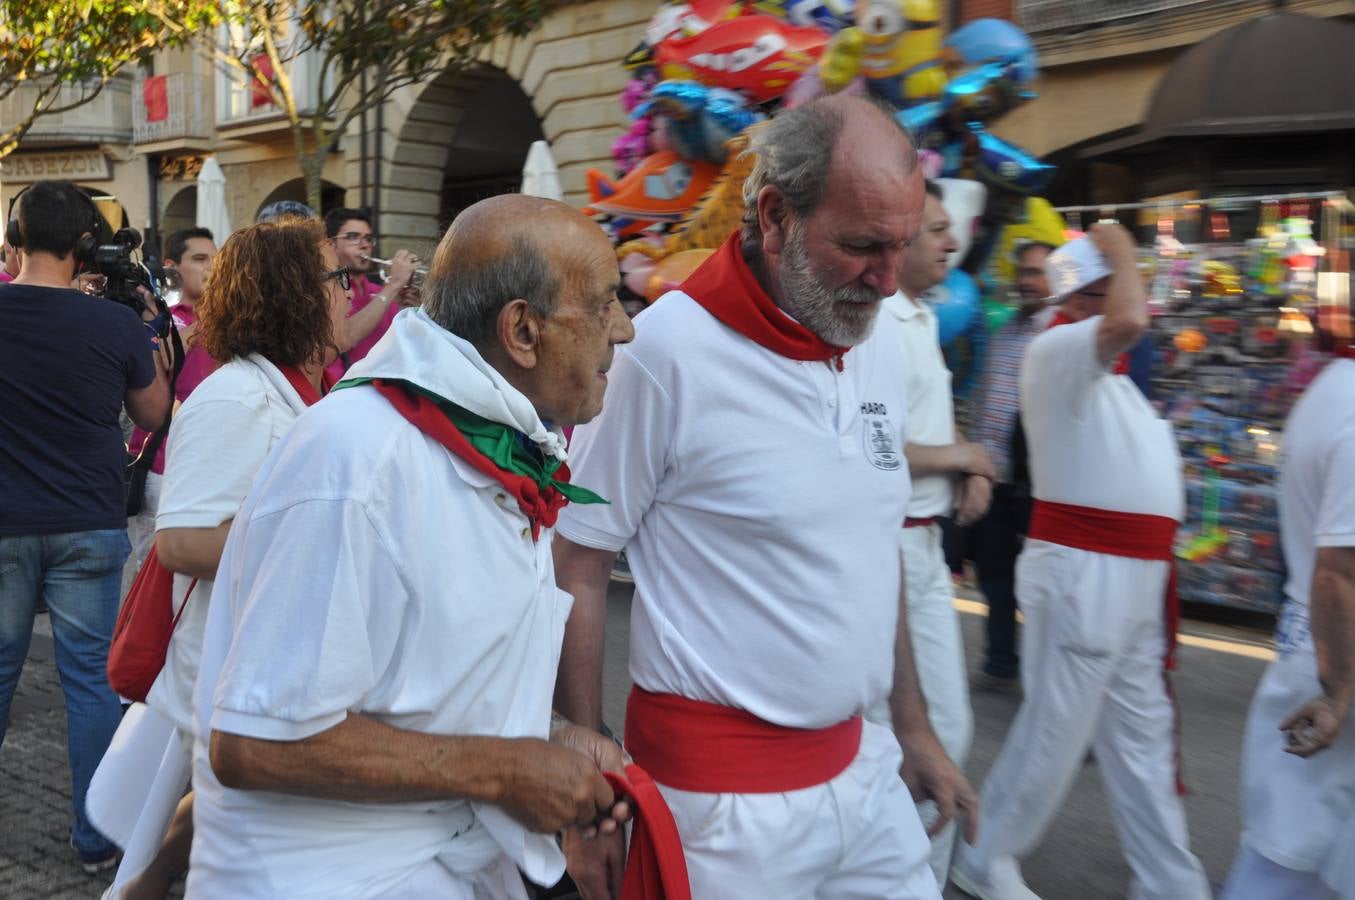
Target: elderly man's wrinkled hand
606 754
1313 727
548 788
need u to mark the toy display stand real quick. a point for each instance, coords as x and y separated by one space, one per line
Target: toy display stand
1234 348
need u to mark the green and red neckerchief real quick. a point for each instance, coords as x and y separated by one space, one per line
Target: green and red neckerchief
729 291
539 483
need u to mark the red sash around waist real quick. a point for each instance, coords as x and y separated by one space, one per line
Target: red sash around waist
696 746
910 522
1132 535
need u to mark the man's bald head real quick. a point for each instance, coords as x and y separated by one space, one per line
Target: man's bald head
504 248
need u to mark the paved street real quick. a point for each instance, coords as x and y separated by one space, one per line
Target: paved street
1079 860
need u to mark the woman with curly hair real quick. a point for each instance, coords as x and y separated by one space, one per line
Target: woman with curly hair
270 313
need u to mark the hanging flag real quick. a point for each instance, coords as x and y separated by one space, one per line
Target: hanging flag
155 97
260 93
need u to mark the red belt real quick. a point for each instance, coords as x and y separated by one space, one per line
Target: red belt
695 746
910 522
1131 535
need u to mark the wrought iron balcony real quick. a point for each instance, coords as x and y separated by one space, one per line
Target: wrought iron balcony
1037 16
176 107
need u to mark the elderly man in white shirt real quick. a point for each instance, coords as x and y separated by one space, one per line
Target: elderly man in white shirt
374 704
951 477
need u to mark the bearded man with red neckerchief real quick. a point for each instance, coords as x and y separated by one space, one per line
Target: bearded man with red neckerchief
752 451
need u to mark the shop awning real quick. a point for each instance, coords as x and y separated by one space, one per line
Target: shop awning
1281 73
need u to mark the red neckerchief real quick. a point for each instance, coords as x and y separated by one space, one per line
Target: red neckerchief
541 507
726 287
1061 318
302 385
1346 352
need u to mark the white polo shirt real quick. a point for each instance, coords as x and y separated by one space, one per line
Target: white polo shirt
931 411
759 501
1094 439
371 571
1296 810
1317 491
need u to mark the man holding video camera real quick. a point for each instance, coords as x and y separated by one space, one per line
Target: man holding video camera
69 362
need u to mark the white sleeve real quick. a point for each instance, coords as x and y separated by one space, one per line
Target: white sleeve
319 604
622 455
1336 514
215 449
1064 363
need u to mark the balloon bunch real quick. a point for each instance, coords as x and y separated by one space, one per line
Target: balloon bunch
708 71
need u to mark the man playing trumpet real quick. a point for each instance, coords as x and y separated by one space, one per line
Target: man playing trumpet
375 302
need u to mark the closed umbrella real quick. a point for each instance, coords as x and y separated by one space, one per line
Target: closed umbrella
211 213
540 176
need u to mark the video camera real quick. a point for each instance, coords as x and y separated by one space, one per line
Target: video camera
124 274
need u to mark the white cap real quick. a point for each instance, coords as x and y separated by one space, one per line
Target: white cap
1074 266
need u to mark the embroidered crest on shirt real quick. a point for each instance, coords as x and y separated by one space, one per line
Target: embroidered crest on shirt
881 447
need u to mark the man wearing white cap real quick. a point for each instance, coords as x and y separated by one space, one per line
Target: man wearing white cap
1106 479
1298 762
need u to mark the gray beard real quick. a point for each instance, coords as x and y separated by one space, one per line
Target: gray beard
842 317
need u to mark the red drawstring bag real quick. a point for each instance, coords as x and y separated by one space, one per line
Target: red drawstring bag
145 624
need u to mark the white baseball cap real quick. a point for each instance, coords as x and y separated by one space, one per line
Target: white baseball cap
1074 266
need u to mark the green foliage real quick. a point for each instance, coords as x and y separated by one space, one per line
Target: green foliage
73 44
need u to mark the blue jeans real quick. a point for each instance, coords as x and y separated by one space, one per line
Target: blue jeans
79 575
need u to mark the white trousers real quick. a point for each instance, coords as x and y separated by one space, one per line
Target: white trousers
938 654
1253 877
856 837
1091 665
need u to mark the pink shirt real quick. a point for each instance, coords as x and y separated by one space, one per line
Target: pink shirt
363 291
197 366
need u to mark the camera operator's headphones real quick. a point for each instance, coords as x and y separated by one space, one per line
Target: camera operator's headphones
99 231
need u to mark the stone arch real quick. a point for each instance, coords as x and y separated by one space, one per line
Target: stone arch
181 211
331 196
570 71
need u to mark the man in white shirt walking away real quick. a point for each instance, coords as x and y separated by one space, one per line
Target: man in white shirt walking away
951 477
1095 588
1298 762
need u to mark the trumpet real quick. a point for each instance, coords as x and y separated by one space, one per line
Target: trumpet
383 269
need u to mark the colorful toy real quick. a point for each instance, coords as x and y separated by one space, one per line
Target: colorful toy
698 119
896 45
760 56
663 188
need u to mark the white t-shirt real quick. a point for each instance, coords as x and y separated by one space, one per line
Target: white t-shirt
1094 439
1317 491
759 501
931 411
220 437
1295 809
369 571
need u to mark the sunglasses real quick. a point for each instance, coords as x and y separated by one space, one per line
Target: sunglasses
341 273
357 237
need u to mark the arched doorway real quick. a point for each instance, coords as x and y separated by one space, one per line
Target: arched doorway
331 195
490 146
182 211
465 138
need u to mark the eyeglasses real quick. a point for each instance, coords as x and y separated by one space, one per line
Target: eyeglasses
341 273
358 237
